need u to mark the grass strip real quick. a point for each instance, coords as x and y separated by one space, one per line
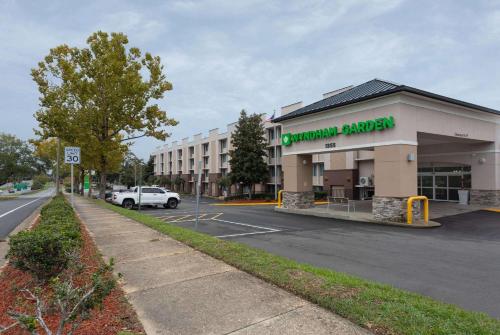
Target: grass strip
380 308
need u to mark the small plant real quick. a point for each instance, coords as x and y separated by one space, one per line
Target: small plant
41 252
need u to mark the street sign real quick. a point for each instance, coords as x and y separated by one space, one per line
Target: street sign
72 155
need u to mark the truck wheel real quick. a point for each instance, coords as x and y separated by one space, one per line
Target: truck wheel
128 203
172 203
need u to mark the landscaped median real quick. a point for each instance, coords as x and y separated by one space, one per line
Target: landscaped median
56 282
377 307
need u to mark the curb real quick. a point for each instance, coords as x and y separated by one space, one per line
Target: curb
259 203
431 224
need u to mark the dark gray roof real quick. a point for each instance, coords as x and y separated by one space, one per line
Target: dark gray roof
370 90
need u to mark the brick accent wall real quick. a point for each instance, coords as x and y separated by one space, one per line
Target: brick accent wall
298 199
346 178
393 209
485 197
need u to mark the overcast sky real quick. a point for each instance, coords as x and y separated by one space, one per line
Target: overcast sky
222 56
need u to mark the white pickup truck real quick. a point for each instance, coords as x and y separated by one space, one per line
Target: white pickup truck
153 196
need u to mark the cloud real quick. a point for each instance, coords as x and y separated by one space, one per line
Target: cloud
225 55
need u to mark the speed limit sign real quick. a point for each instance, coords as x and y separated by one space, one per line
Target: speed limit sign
72 155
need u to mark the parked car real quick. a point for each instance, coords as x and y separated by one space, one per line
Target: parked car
11 190
152 196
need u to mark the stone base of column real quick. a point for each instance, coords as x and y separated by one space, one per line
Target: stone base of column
485 197
393 209
298 200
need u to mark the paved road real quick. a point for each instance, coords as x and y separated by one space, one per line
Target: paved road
13 212
457 263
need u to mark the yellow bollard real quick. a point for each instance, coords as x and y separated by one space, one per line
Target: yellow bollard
409 208
279 198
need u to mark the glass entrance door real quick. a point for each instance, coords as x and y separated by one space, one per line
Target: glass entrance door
443 183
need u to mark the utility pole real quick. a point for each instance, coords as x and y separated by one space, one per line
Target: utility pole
275 163
135 174
57 164
275 169
140 185
198 185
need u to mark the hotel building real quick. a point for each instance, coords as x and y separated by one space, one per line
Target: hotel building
377 140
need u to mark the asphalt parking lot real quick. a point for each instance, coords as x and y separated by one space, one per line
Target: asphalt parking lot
457 263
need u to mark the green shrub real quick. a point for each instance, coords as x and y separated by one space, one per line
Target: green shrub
46 250
42 252
320 195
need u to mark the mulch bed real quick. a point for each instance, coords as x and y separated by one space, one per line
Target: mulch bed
116 314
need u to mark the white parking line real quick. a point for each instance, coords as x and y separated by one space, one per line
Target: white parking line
247 225
244 234
216 216
15 209
180 218
190 217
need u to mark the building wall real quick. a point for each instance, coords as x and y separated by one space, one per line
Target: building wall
415 117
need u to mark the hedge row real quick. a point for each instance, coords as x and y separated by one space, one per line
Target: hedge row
46 250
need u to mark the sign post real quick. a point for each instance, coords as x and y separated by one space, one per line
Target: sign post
72 156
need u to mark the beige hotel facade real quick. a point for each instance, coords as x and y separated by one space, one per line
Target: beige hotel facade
377 140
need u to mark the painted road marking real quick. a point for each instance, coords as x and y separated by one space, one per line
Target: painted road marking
191 217
214 217
245 234
247 225
181 218
15 209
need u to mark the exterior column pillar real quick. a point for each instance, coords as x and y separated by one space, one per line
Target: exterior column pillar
395 180
485 175
297 172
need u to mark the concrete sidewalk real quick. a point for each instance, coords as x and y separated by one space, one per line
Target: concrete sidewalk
178 290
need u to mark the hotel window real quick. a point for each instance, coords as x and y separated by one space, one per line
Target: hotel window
271 135
318 169
223 145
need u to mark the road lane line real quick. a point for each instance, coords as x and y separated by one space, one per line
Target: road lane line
247 225
15 209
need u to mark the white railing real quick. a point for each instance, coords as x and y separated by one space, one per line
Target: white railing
341 202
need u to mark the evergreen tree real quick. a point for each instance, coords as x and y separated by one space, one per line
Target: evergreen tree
247 158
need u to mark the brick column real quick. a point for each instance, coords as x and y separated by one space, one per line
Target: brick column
297 173
395 181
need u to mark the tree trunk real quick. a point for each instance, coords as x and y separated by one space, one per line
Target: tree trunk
82 181
102 186
103 176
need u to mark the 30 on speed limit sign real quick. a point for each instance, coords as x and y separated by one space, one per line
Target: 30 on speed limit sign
72 155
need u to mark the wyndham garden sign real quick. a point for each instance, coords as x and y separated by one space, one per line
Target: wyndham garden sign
360 127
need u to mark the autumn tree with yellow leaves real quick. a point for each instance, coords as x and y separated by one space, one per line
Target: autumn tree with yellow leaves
100 98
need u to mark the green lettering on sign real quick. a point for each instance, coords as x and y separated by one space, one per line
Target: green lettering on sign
378 124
